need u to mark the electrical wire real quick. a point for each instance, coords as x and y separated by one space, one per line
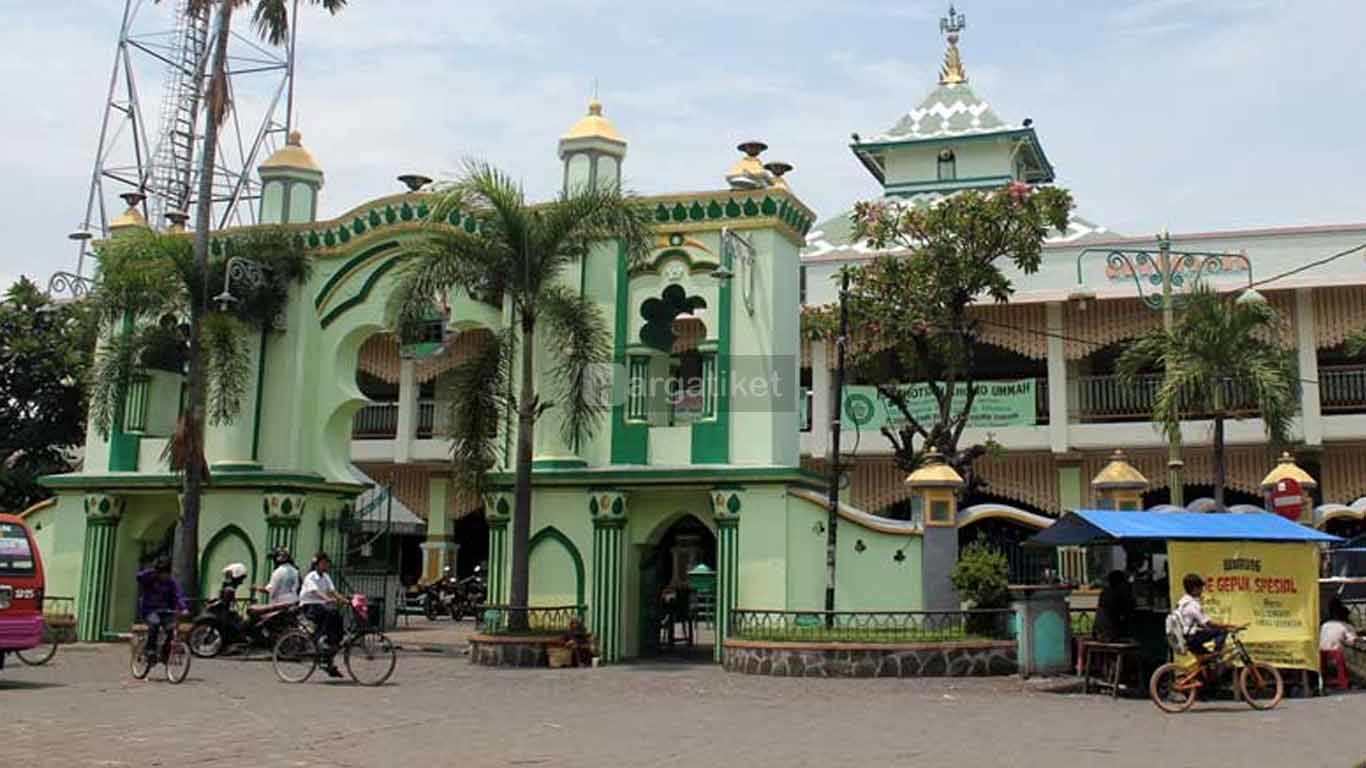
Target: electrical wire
1309 266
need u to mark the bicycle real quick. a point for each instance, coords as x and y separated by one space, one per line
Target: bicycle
367 654
174 652
1174 685
38 655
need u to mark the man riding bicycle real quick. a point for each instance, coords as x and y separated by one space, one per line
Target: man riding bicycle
318 599
160 602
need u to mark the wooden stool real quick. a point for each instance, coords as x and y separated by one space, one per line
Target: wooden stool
1116 655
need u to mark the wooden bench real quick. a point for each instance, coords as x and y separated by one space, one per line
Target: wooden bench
1108 662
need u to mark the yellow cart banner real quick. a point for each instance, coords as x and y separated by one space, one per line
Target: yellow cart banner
1272 588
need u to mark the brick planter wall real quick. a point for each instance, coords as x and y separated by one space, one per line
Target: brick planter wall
511 650
870 660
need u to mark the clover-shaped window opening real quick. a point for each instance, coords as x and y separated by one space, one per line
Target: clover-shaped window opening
660 312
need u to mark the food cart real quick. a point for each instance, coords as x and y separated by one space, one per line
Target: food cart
1259 569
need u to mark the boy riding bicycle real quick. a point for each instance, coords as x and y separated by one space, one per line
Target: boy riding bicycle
1198 628
160 601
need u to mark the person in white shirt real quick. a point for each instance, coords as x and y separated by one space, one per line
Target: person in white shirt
1337 632
1199 629
283 588
318 599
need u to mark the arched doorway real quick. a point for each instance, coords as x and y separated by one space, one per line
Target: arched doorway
676 593
1004 525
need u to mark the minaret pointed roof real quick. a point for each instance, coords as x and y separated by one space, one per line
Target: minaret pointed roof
594 126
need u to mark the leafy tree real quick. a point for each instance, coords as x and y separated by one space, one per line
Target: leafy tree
982 576
1221 360
910 305
149 286
271 21
519 252
45 348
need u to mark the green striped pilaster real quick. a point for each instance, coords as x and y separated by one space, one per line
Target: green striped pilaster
608 511
499 515
282 511
726 508
102 516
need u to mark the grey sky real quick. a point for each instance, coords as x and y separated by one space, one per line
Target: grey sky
1182 113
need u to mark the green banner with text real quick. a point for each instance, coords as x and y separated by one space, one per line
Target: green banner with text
998 404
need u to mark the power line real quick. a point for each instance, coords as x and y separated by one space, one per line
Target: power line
1309 266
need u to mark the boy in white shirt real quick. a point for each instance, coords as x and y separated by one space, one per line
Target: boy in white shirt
318 599
284 580
1198 627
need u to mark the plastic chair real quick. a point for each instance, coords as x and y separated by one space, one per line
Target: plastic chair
1334 661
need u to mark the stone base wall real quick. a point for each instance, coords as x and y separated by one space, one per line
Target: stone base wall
870 660
511 651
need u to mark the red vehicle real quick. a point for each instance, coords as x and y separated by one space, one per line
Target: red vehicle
21 588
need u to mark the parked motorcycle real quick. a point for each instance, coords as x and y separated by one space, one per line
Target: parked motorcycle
219 626
454 597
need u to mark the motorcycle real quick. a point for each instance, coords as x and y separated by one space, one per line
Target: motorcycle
455 597
219 627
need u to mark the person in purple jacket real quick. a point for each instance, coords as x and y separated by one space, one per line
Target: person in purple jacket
160 601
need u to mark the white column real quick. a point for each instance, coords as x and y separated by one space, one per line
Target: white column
1311 410
407 411
820 401
1058 419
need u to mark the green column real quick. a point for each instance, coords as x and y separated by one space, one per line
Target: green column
608 511
726 508
102 515
498 512
282 512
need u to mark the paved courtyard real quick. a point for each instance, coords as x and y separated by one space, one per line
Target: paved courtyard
84 710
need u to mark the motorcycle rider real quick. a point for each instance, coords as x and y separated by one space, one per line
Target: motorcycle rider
284 580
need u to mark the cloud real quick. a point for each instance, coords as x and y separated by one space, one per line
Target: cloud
1238 113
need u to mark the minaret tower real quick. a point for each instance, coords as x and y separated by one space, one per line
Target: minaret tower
592 152
953 72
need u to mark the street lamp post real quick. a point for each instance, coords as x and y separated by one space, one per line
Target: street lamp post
836 412
74 285
243 270
1169 271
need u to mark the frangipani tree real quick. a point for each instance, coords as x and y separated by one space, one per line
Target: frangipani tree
1221 361
520 252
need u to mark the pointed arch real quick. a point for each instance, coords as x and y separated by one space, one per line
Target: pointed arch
550 534
222 537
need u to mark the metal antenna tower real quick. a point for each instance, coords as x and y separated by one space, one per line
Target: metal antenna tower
166 167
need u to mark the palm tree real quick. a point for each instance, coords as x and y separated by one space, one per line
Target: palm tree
1220 359
271 20
519 252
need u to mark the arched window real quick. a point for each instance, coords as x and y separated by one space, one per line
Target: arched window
948 165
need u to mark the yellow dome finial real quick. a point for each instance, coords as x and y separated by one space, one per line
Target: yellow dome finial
293 155
594 126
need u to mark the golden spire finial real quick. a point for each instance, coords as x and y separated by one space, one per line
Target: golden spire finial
953 72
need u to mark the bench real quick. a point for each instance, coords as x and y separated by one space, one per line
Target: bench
1104 665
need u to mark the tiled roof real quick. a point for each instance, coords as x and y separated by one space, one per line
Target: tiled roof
834 237
949 110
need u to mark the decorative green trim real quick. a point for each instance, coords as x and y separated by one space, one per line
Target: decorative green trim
346 269
205 578
558 463
711 436
695 266
260 394
630 440
948 184
626 477
551 533
364 293
236 466
123 447
165 481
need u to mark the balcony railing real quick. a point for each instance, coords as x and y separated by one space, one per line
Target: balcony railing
1110 398
426 419
377 421
1342 388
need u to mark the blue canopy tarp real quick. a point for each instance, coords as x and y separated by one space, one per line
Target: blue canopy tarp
1103 526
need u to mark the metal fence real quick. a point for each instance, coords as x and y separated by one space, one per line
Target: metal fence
1342 388
509 620
871 626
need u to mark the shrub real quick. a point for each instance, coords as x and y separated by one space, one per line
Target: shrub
981 576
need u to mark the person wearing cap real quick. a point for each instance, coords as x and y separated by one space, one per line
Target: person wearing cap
160 601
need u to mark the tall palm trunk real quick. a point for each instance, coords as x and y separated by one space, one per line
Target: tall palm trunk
521 515
187 534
